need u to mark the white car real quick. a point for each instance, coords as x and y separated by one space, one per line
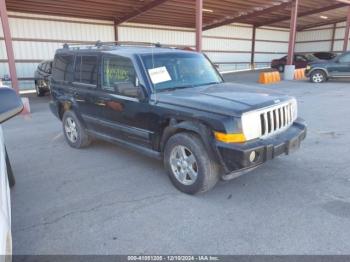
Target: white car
10 105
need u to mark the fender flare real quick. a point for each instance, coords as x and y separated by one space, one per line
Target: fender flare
71 106
321 69
199 128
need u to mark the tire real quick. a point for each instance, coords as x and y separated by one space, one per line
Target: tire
38 90
11 177
280 68
190 147
318 76
74 131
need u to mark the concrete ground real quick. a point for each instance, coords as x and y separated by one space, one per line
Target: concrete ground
109 200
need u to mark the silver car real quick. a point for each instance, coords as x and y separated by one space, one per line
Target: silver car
10 105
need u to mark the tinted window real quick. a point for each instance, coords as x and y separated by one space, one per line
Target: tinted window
86 68
63 67
300 58
49 67
345 59
42 66
119 76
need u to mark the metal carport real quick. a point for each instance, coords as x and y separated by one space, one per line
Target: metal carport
296 15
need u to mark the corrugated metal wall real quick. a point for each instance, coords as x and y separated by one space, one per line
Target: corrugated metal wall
229 46
36 37
320 39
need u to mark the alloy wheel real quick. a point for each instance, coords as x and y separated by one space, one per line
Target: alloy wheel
184 165
71 129
317 78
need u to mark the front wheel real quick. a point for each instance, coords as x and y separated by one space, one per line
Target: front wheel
38 88
318 76
189 165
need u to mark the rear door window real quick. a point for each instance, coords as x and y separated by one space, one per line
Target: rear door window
63 67
86 69
345 59
300 58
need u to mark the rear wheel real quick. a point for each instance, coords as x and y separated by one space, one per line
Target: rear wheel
318 76
189 165
74 131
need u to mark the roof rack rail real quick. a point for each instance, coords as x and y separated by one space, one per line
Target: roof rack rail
100 44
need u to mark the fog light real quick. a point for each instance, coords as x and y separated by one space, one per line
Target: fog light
252 157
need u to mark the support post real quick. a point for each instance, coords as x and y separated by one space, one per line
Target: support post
347 31
289 68
252 58
116 36
199 24
333 36
8 44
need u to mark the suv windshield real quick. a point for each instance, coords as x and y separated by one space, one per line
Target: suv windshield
179 70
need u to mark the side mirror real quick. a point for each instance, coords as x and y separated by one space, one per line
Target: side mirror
10 104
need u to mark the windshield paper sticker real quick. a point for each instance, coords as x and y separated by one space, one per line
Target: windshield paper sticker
159 75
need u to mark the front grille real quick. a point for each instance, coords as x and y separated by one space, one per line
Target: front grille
276 118
265 122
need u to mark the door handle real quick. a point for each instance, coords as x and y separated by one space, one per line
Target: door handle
100 103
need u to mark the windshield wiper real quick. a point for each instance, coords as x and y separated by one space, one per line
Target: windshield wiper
173 88
207 84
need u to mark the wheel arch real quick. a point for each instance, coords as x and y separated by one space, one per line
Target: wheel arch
65 105
319 69
177 126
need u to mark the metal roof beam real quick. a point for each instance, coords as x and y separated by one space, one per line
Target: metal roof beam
311 12
249 15
139 11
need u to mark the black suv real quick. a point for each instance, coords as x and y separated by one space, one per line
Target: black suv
41 77
173 105
338 67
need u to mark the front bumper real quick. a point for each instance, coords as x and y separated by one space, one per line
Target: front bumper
234 157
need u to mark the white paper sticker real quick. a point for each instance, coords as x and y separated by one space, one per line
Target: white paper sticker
159 75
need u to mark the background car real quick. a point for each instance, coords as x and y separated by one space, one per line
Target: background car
321 71
10 105
300 61
41 77
325 55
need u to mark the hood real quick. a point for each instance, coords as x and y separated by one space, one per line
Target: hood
224 98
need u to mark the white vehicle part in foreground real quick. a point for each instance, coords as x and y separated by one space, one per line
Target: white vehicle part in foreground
5 205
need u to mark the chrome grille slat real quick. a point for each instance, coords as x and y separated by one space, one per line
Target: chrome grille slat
272 121
266 126
277 118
